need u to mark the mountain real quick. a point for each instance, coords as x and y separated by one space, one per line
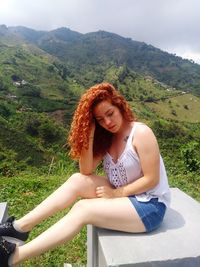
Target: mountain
81 51
47 71
108 48
43 74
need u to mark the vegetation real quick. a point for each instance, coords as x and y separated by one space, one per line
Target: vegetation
23 193
39 92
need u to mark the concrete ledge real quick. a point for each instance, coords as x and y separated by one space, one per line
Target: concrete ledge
3 211
175 244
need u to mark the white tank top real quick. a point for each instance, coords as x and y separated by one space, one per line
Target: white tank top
128 169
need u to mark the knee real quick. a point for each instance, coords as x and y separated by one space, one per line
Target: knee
76 177
82 208
78 182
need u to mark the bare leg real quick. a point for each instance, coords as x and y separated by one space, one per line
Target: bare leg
77 185
117 214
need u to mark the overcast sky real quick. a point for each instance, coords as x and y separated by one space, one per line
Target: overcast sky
171 25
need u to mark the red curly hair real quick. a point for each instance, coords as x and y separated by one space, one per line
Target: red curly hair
83 119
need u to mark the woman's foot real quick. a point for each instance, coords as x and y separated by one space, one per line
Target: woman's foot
6 249
7 229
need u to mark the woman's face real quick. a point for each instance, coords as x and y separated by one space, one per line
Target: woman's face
108 116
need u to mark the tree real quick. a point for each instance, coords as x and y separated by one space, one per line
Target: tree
30 90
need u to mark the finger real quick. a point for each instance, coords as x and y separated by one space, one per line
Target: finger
99 195
100 189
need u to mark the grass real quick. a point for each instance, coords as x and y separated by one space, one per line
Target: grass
23 193
181 108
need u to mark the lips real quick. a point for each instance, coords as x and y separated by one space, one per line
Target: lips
111 128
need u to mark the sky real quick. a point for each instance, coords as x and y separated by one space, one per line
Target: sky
171 25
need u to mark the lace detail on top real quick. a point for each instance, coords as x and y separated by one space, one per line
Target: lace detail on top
123 174
117 175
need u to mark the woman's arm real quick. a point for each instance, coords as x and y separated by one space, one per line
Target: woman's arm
146 145
87 162
147 149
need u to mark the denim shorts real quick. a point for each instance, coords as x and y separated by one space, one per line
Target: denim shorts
151 212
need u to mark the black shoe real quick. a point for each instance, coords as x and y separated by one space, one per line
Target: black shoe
7 229
6 249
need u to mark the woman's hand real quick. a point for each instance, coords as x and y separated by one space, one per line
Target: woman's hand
107 192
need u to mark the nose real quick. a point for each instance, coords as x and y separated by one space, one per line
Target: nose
107 121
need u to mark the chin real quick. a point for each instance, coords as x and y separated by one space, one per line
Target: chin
114 130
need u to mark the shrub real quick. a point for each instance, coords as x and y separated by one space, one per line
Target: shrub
4 110
190 154
32 126
165 129
30 90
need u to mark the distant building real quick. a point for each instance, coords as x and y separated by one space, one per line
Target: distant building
9 96
20 83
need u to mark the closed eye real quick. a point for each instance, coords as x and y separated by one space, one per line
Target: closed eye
110 114
99 119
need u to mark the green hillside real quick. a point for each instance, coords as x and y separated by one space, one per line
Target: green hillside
83 51
19 63
184 108
34 80
104 48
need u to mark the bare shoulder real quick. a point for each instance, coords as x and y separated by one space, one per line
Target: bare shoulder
144 136
143 130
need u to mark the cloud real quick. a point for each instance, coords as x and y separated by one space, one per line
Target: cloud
171 25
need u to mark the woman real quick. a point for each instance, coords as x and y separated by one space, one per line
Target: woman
133 195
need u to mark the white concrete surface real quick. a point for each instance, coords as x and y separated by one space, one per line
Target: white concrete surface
175 244
3 211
